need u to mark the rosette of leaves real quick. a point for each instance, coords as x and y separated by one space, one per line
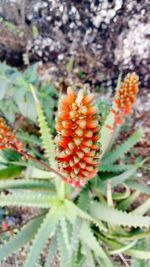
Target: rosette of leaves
86 228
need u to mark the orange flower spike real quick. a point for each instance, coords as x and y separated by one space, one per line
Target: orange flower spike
8 138
77 136
126 94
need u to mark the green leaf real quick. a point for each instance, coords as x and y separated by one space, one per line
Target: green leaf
123 205
46 230
3 89
26 105
89 239
115 167
121 178
114 138
64 229
51 252
89 259
83 200
19 240
27 184
143 208
63 252
40 174
74 239
29 138
138 254
123 148
26 199
31 74
122 249
73 211
106 134
116 217
11 172
10 155
46 136
120 196
138 186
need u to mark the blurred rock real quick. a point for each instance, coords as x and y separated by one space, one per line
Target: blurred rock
115 34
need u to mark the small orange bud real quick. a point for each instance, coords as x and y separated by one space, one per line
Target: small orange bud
85 149
71 163
71 145
92 124
76 159
84 110
88 143
80 154
88 134
82 123
88 99
79 132
77 141
67 124
66 132
92 110
82 165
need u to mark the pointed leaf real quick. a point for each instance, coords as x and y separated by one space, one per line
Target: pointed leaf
143 208
72 209
11 172
123 148
62 249
51 252
46 136
83 200
136 185
116 217
46 230
75 239
121 178
90 240
26 199
123 205
26 184
64 229
40 174
115 167
138 254
19 240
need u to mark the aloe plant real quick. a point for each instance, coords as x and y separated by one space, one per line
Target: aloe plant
83 226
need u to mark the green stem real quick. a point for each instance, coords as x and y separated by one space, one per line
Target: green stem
61 189
109 194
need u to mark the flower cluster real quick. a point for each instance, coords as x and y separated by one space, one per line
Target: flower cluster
8 138
77 140
125 97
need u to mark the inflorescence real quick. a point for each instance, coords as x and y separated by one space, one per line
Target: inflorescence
125 98
78 129
8 137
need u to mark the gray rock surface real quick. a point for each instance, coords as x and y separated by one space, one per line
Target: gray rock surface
115 33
